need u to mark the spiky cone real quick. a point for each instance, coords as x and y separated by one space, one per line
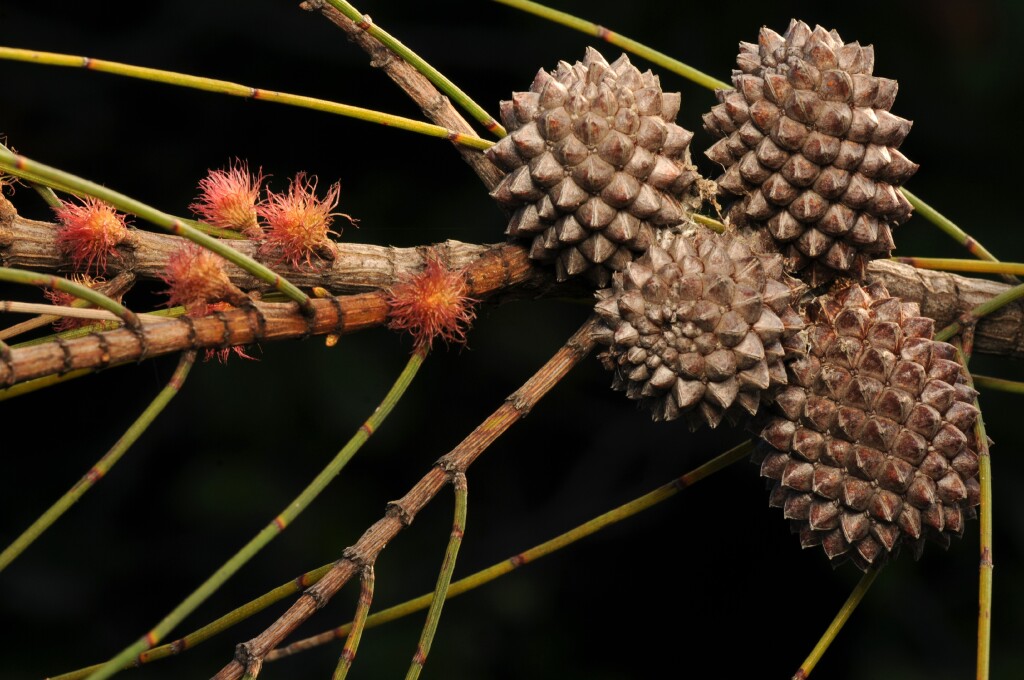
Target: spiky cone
810 150
871 443
595 163
699 326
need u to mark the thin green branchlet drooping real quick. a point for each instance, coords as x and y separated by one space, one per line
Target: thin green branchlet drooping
444 579
348 650
272 530
103 466
463 585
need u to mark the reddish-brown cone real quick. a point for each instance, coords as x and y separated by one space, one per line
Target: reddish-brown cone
698 325
810 153
595 163
871 444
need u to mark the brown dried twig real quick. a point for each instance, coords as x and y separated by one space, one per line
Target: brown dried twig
400 514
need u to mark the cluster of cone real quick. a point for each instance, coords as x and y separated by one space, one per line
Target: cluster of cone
866 422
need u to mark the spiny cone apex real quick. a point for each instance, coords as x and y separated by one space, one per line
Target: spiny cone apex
699 325
810 150
871 444
595 163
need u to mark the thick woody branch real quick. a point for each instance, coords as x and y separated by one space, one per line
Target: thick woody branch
402 512
498 269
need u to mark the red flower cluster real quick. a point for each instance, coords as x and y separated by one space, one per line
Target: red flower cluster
432 304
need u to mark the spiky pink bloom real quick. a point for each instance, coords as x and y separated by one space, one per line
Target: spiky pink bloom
433 303
297 222
90 232
196 279
227 198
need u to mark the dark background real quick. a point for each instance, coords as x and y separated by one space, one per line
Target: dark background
737 594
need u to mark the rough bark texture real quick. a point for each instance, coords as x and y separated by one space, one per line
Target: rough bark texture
28 244
435 106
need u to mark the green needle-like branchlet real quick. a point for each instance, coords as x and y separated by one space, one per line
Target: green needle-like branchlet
985 563
837 624
348 651
78 290
272 530
236 90
984 382
432 74
103 466
444 579
628 44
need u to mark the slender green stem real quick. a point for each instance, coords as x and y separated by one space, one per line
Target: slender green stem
103 466
709 222
432 74
949 227
981 311
25 277
444 579
502 568
45 192
236 90
955 265
463 585
985 563
272 530
348 652
837 623
628 44
984 382
40 383
16 164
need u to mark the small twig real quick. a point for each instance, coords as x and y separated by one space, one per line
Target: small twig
956 233
364 23
957 265
434 105
444 579
237 90
484 576
985 563
58 311
837 624
97 298
348 651
628 44
402 512
269 532
984 382
114 288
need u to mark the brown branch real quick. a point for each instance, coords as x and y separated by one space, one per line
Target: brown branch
498 269
402 512
29 244
435 106
947 297
357 268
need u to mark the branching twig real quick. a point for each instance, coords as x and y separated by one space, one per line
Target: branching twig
401 513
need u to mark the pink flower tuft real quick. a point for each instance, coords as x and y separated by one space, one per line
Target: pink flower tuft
90 232
196 278
228 198
433 303
297 222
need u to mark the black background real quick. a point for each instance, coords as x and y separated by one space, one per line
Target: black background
709 583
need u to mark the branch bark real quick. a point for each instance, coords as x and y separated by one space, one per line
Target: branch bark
402 512
368 269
